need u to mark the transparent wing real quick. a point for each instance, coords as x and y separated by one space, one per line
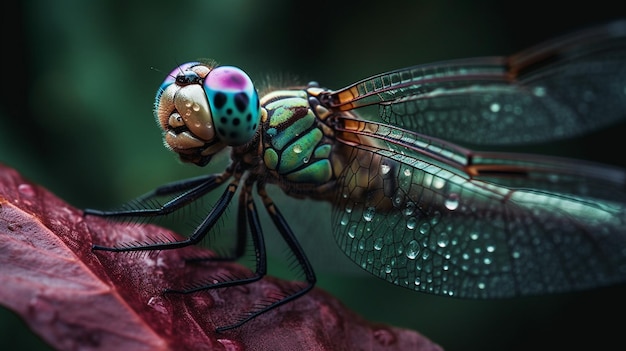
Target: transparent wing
562 88
434 217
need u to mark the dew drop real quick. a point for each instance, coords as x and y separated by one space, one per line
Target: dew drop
435 218
452 202
443 239
398 199
195 107
26 190
418 281
384 168
495 107
345 219
378 244
481 285
297 148
412 250
409 209
368 214
387 269
352 231
407 172
411 222
539 91
361 245
424 228
438 183
157 304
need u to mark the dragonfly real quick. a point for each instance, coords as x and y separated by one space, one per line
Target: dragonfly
411 202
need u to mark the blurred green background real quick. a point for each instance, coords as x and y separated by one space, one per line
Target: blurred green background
76 113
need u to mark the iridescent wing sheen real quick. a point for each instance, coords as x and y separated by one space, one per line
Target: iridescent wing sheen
562 88
477 225
432 216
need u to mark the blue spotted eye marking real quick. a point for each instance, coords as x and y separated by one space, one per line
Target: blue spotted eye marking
234 103
241 102
219 100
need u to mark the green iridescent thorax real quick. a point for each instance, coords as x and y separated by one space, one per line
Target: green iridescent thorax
295 147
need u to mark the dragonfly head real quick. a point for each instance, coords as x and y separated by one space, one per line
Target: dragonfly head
202 109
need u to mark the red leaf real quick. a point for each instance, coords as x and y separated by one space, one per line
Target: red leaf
75 299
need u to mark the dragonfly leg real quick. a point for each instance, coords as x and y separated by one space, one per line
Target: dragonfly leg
177 203
241 239
289 237
261 260
188 190
296 249
246 210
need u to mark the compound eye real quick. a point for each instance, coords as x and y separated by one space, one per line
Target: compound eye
234 104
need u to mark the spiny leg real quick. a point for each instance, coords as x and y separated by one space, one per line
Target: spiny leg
247 210
250 212
190 190
200 231
240 241
182 185
289 237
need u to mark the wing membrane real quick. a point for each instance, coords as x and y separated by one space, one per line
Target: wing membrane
559 89
431 216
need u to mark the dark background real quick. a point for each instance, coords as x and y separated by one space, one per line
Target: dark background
79 78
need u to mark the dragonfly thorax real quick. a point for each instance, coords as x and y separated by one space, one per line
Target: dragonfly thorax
297 148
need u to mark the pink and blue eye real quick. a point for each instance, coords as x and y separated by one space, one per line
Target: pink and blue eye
234 104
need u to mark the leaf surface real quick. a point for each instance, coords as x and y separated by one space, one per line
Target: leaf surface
77 299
